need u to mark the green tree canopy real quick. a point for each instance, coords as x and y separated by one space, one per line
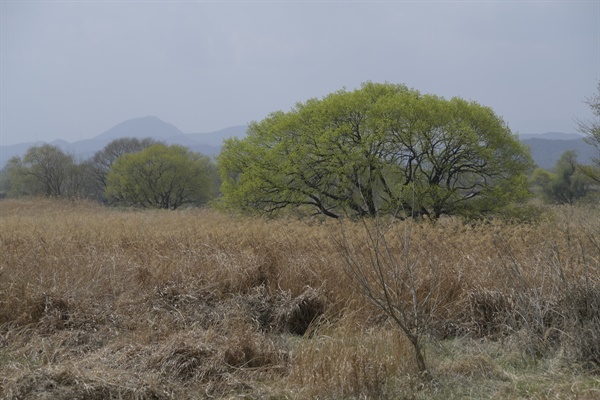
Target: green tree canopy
99 165
161 177
44 170
567 185
383 148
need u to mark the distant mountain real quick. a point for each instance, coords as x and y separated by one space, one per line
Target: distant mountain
551 136
141 128
208 143
546 148
11 150
216 138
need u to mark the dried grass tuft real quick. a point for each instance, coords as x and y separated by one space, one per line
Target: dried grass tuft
296 315
345 361
66 383
186 361
492 313
474 367
247 348
582 325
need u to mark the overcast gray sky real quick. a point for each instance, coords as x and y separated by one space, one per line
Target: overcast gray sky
73 69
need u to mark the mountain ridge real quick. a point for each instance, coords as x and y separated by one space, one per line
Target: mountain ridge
208 143
551 136
546 148
149 126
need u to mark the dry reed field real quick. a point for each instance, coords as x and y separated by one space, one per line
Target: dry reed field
101 303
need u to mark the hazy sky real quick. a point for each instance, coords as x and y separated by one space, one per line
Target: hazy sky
73 69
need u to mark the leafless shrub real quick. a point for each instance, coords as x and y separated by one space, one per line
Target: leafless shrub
553 299
398 277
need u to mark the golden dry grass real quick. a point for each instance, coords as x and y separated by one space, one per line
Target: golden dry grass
104 303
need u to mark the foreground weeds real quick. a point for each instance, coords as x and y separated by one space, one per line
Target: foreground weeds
99 303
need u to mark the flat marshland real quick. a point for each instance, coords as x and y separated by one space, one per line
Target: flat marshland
100 303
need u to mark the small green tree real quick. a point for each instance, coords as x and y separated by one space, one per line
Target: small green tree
44 170
567 185
4 183
99 165
591 128
377 150
541 181
18 182
161 177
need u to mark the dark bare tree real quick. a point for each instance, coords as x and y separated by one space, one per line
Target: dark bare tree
100 164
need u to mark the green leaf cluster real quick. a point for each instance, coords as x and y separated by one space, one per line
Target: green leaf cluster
161 176
100 164
380 149
566 185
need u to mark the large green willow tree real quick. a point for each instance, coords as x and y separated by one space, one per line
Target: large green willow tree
383 148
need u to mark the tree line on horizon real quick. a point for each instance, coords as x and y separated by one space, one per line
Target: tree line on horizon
381 149
128 171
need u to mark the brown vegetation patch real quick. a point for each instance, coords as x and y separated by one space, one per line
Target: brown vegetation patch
104 303
296 315
582 324
344 361
492 313
185 361
66 384
474 367
246 347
